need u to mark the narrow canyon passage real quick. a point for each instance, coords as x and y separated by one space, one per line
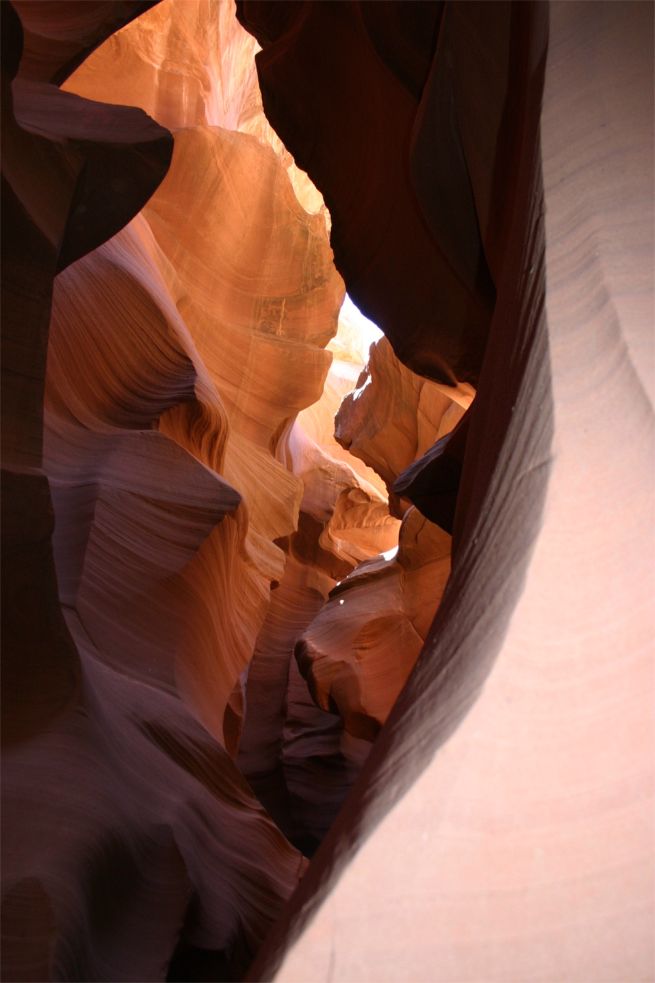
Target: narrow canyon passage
221 449
231 368
299 677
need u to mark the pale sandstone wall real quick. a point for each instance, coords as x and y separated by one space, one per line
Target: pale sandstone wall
524 848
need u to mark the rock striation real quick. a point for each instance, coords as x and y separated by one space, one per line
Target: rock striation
368 148
502 826
271 594
160 447
203 511
295 754
360 649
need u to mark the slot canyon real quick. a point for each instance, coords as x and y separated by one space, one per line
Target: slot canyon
328 484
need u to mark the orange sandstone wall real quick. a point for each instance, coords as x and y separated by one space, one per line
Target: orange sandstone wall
503 827
210 607
199 522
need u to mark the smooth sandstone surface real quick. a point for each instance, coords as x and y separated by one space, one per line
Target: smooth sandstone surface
358 136
393 415
184 490
524 849
212 611
133 705
358 651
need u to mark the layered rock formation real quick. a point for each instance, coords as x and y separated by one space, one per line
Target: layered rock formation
391 223
298 758
182 513
119 701
506 809
359 650
179 354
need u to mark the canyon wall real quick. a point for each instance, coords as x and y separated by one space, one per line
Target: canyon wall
128 831
507 807
176 507
270 594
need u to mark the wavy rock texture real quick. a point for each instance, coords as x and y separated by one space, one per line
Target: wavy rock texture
393 416
243 279
358 652
191 507
56 40
154 416
296 756
217 301
185 347
502 827
55 148
189 64
368 129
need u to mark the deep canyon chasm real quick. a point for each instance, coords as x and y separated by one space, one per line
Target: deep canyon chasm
327 655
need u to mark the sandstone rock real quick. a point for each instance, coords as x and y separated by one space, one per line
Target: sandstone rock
296 756
59 36
189 64
58 150
147 533
393 415
191 507
54 148
504 819
372 116
432 482
359 651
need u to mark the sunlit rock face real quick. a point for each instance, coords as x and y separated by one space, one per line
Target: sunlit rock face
503 825
227 284
397 211
360 649
358 652
302 755
189 64
129 829
393 416
269 591
203 509
296 756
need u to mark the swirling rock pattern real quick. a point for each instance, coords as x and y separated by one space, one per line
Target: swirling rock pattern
358 651
190 64
163 567
177 501
385 233
54 147
157 344
393 416
297 756
504 820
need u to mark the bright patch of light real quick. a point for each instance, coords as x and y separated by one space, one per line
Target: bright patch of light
352 313
341 601
358 392
359 326
390 554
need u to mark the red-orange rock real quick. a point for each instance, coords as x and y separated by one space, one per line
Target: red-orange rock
504 821
151 814
393 415
372 116
297 757
359 651
193 508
